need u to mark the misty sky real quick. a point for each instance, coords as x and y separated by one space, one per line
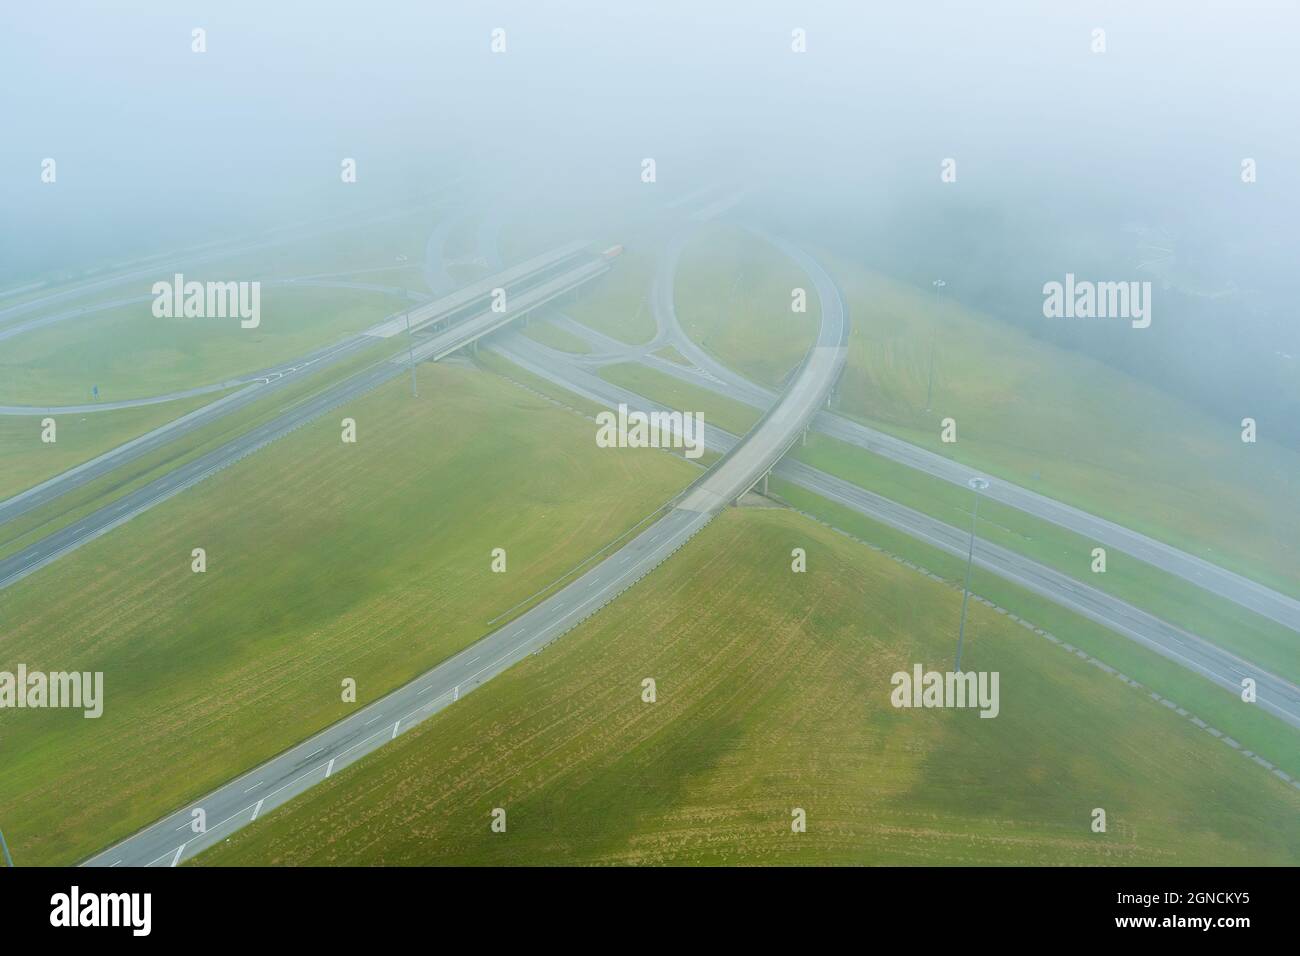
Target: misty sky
1058 148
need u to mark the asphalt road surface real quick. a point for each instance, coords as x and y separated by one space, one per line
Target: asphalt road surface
67 539
263 384
1275 694
163 266
58 543
517 305
711 374
172 839
258 385
250 378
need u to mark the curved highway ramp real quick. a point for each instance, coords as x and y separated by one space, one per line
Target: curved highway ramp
479 319
241 801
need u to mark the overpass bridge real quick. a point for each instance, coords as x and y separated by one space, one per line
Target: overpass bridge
278 780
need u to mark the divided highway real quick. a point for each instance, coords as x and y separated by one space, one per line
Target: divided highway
163 264
713 375
744 463
1275 694
255 389
241 801
58 543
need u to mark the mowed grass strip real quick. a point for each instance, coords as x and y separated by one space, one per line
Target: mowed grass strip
73 505
617 303
349 248
129 353
1260 640
1169 597
548 333
726 413
773 694
1164 595
79 437
1069 427
324 561
733 293
1256 729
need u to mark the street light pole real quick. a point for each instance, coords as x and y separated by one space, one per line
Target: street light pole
976 485
410 346
934 333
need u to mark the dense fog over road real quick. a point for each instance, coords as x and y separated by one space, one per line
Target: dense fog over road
1119 164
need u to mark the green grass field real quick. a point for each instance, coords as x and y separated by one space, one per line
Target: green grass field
1142 585
726 413
73 505
733 298
617 303
1069 427
548 333
1255 729
1168 596
79 437
325 561
672 355
388 253
773 694
129 353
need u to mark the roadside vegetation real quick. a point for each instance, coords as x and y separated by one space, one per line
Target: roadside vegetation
73 505
79 437
324 561
548 333
1069 427
773 693
733 298
129 353
726 413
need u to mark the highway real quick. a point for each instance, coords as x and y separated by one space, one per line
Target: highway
314 282
250 378
163 265
1275 694
265 383
711 374
236 804
469 295
64 540
485 323
170 840
67 539
744 463
258 385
